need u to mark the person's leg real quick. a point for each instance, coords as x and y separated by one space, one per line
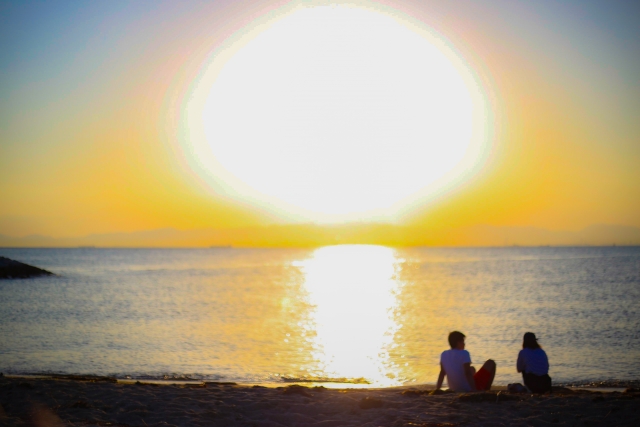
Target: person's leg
484 377
536 383
490 366
525 378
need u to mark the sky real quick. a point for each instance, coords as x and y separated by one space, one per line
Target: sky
100 103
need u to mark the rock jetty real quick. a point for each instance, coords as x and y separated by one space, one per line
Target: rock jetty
10 269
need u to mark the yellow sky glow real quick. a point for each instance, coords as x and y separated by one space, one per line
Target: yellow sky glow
192 117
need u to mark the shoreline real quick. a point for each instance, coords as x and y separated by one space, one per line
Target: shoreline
602 386
95 401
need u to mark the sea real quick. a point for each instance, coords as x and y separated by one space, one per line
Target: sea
351 315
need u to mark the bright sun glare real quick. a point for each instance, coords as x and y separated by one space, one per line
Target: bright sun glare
340 111
352 289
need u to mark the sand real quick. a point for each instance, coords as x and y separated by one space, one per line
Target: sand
72 402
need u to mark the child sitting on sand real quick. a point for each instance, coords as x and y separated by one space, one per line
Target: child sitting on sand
456 365
534 365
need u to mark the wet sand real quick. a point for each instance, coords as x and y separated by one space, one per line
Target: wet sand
103 402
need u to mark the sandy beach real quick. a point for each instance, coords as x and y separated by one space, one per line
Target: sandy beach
104 402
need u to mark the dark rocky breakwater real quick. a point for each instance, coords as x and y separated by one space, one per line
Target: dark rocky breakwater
10 269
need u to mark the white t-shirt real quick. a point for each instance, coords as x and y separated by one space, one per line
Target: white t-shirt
453 363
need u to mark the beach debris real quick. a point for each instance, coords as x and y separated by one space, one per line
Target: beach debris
197 385
370 402
297 389
412 392
11 269
517 388
502 396
221 383
562 390
427 424
89 378
439 391
480 397
81 404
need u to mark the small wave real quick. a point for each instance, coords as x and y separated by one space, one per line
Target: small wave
325 380
167 376
75 377
603 384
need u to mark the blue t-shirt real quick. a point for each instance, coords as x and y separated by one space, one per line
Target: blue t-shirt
533 361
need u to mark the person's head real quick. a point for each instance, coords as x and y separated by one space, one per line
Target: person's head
530 341
456 340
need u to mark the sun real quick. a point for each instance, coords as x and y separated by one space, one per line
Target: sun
338 112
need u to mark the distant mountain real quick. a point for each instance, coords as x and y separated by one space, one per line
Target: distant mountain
594 235
309 235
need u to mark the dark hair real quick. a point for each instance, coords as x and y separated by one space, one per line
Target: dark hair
455 337
530 341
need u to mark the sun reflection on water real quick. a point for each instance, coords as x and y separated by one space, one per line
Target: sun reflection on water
352 290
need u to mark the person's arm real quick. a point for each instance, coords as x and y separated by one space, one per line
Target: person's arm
469 374
440 377
520 362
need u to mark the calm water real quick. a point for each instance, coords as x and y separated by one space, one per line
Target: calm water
258 315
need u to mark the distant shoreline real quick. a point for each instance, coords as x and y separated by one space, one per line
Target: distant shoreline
320 246
317 235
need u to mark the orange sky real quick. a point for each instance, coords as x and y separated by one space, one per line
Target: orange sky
93 102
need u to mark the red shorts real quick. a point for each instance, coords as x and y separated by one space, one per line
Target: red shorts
482 378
